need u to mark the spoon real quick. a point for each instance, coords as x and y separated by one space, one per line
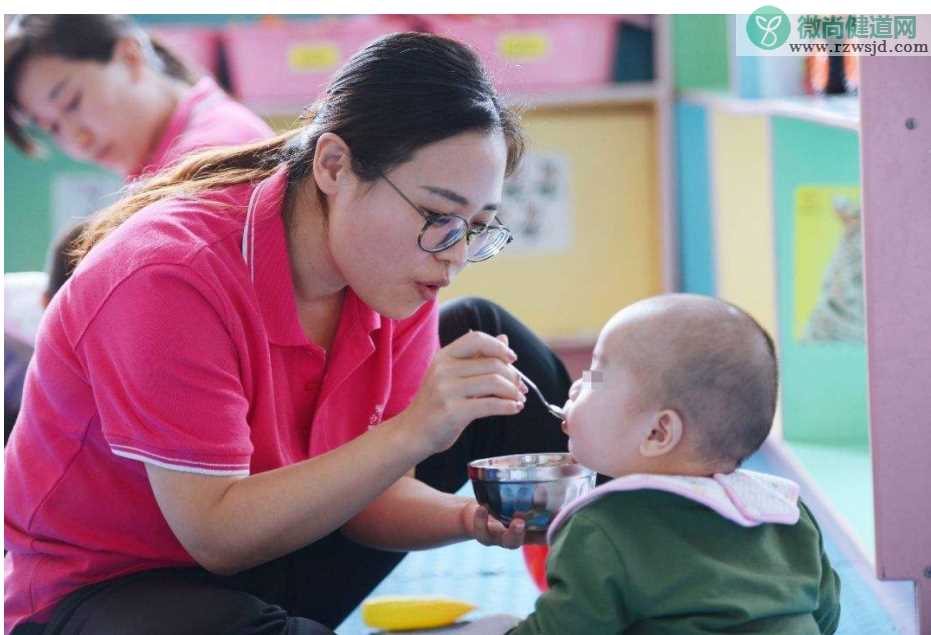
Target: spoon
556 411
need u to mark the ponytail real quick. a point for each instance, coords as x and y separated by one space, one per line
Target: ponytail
196 173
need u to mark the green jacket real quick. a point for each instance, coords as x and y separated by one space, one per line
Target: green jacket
651 562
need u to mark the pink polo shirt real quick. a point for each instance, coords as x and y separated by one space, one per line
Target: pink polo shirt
162 350
205 117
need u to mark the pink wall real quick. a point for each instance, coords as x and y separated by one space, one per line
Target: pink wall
896 163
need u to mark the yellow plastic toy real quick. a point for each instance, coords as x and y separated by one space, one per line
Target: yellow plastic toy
405 613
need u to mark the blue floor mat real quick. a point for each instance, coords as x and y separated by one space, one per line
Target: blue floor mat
496 581
493 579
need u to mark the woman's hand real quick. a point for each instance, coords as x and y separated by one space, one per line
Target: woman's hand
469 379
489 531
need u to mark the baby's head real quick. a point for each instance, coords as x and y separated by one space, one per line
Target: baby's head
679 384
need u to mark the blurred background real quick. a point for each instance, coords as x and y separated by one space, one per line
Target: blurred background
658 161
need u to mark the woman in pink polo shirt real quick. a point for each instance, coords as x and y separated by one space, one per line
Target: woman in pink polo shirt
239 404
108 94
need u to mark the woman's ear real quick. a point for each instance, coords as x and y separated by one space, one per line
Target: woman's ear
332 160
128 51
664 435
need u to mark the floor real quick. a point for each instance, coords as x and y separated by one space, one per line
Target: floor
845 474
496 580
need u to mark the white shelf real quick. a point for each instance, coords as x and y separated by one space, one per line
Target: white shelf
609 94
838 112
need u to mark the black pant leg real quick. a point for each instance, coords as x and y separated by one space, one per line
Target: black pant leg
533 429
187 601
325 580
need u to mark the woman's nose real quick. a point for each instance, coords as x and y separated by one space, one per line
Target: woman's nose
456 255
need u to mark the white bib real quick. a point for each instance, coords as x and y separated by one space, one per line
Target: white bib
745 497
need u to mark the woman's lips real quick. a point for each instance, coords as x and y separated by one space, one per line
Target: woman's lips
427 291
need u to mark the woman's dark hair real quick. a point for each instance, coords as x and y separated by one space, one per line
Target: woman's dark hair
61 263
398 94
73 37
403 92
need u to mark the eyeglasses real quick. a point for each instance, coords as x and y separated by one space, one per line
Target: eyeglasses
442 231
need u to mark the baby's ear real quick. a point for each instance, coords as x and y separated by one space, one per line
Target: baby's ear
664 434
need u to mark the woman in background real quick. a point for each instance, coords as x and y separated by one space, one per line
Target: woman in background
109 94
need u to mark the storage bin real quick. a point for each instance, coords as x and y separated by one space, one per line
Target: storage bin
289 63
537 52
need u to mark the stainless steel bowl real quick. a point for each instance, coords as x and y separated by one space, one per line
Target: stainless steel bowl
529 486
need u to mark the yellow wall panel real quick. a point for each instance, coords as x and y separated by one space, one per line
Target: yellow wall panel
742 201
616 255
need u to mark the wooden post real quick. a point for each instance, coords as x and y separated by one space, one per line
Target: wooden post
896 163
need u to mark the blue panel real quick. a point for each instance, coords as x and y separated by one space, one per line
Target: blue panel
824 385
748 77
696 238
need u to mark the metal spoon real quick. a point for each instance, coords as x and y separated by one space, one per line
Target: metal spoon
556 411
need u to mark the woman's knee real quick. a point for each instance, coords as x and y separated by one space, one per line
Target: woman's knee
471 308
171 602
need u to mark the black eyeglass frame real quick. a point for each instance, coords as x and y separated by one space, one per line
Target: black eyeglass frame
431 218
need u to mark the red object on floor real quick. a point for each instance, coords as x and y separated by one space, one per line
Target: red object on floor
535 558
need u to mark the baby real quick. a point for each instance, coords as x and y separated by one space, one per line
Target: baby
681 390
